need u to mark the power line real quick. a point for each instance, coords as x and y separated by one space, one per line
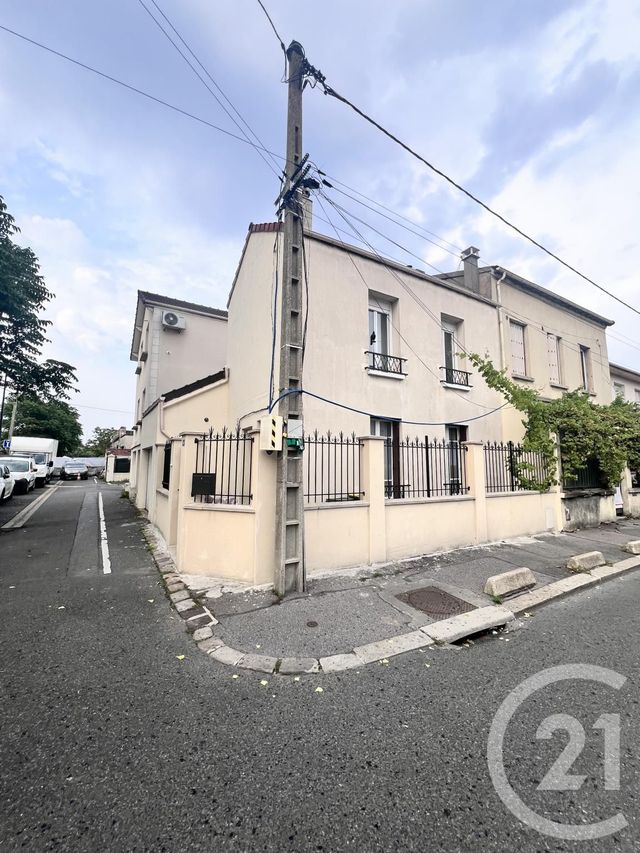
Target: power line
328 90
141 92
383 417
273 26
419 302
204 82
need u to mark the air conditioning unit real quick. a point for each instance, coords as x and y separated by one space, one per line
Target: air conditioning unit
171 320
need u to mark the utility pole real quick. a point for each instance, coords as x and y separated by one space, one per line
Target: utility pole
289 550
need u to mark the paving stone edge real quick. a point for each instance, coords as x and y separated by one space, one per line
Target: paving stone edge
375 652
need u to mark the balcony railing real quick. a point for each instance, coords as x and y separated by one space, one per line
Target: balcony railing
386 363
452 376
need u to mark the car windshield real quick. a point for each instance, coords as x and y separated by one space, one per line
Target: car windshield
16 464
75 466
39 458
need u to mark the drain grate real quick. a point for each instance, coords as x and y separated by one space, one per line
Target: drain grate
435 602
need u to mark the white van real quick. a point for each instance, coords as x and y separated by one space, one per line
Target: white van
41 450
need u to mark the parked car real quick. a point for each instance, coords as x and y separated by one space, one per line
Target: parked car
73 470
7 483
23 471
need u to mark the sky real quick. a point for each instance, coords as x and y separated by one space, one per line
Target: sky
534 107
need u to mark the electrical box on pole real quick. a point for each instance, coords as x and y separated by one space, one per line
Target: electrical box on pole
271 429
289 545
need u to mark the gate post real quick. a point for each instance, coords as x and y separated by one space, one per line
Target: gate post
372 483
477 487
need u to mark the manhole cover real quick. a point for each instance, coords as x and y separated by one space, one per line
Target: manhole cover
435 602
312 624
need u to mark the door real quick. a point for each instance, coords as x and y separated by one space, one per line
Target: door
455 435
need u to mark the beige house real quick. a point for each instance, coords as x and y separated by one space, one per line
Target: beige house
174 343
418 455
625 383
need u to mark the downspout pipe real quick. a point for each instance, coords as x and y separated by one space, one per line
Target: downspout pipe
499 281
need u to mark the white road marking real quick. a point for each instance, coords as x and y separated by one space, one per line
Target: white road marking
25 514
95 480
104 545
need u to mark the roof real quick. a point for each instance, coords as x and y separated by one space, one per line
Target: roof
274 227
195 386
624 372
262 227
118 451
147 298
538 291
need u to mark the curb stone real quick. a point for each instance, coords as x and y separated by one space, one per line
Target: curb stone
445 631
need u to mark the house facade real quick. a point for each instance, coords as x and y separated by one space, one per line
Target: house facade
625 383
406 449
174 343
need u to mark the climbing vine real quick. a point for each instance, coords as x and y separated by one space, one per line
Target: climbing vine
609 433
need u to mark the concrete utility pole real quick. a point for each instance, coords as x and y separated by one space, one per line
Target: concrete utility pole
289 569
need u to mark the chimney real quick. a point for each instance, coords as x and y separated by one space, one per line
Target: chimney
471 276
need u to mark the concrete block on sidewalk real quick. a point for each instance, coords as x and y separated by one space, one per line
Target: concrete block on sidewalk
507 583
338 663
260 663
202 633
482 619
225 654
210 645
293 666
633 547
175 586
393 646
178 596
584 562
185 604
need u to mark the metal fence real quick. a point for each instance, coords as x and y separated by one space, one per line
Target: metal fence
332 467
223 468
588 477
423 469
503 462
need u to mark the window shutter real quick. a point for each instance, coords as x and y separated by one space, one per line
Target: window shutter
518 360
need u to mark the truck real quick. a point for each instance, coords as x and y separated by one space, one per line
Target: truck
42 450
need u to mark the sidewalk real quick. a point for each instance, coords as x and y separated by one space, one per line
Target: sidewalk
343 612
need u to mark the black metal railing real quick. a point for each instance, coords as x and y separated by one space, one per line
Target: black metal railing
386 363
453 376
223 468
507 465
332 467
588 477
423 469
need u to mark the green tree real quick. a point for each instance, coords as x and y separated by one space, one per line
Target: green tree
99 441
50 419
23 298
609 433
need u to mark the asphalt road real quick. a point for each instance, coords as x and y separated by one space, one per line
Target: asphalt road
108 741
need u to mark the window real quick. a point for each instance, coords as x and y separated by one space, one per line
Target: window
585 368
618 390
166 466
518 355
122 465
379 326
637 395
451 335
553 351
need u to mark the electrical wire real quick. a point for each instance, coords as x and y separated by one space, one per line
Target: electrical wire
273 26
204 82
140 92
400 335
382 417
328 90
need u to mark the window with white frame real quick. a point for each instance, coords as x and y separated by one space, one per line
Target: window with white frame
585 368
518 353
379 326
618 390
637 395
451 336
553 352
